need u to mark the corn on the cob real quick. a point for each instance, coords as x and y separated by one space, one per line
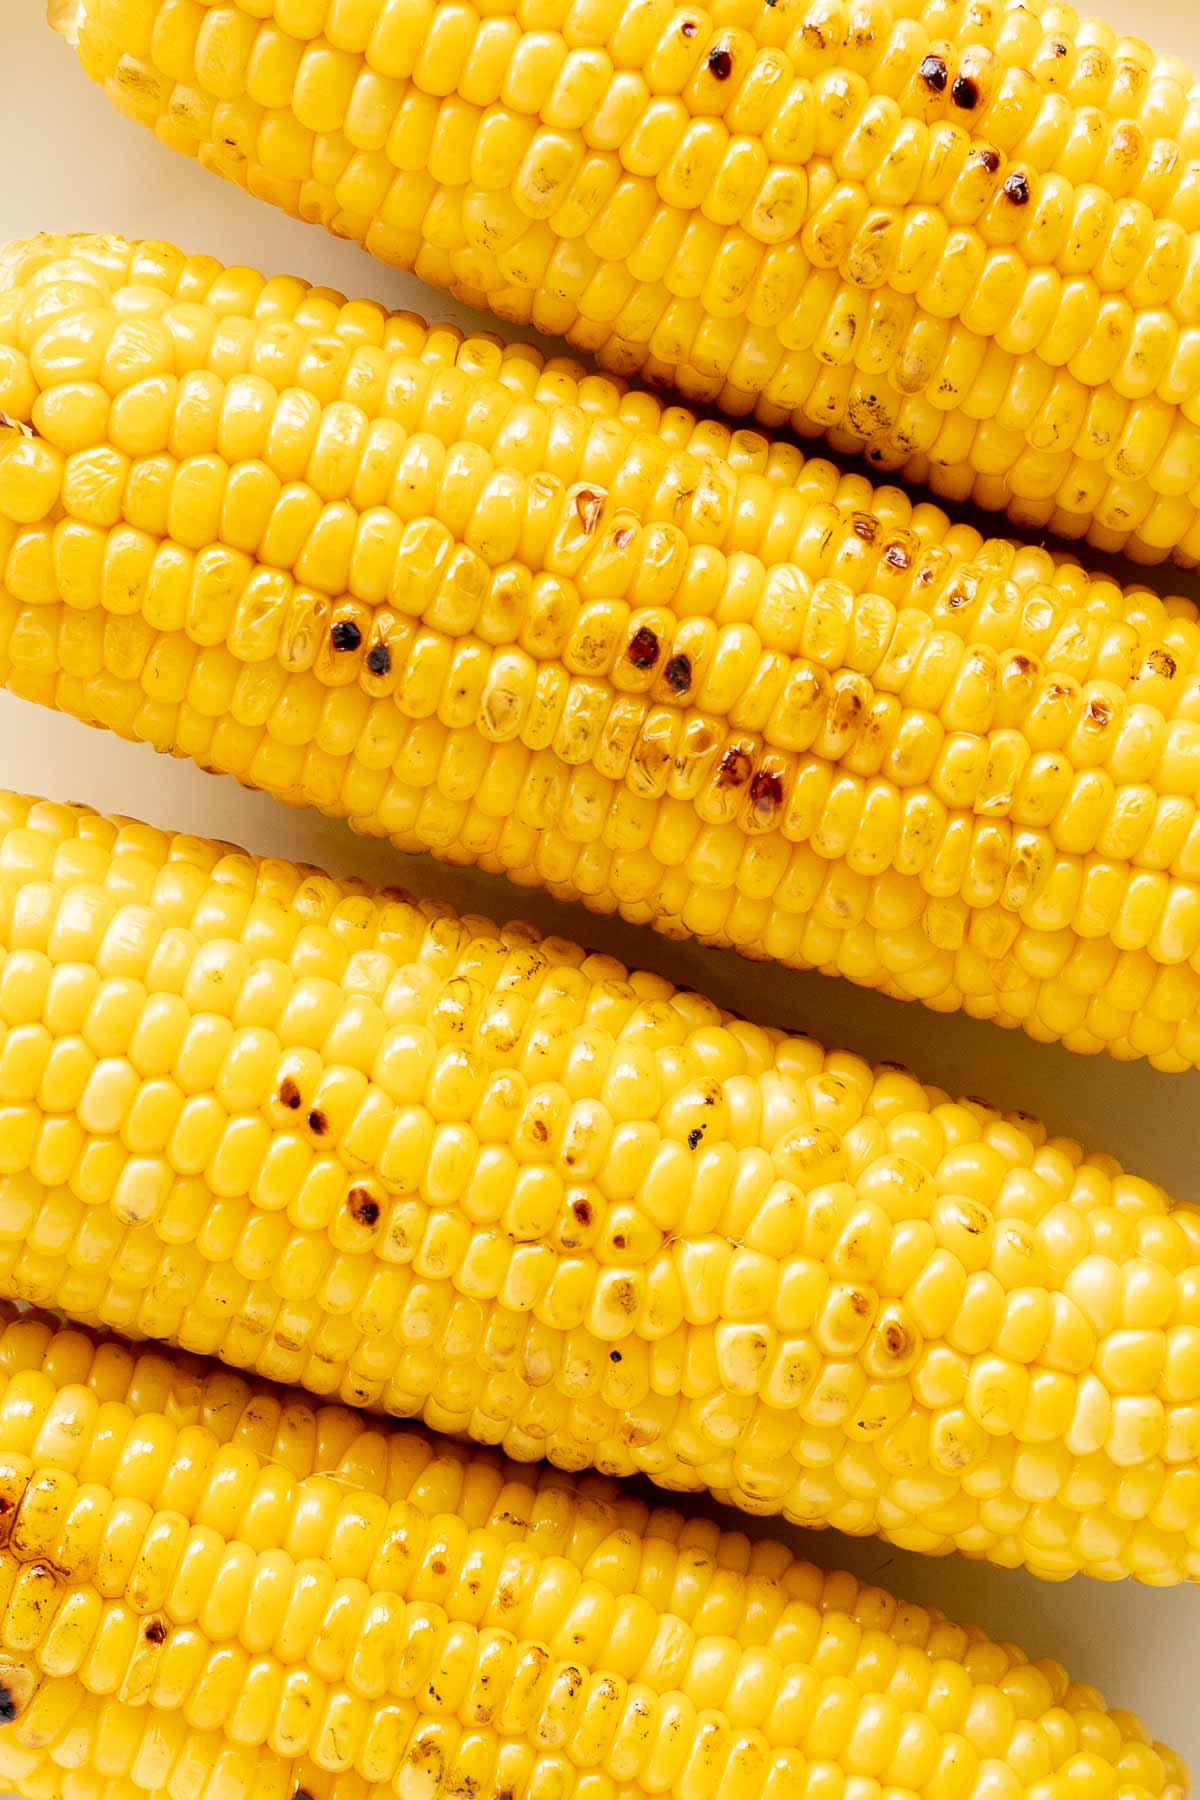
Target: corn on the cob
357 1143
525 618
963 236
211 1583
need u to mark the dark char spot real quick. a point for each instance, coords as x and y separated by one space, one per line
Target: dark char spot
318 1124
689 28
694 1137
614 1356
345 635
933 73
582 1210
990 160
155 1632
734 769
766 790
679 674
8 1705
1017 188
289 1093
643 648
896 556
379 659
363 1206
720 63
1060 49
964 93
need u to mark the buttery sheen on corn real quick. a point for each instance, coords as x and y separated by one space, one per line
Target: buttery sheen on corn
212 1588
520 616
354 1142
963 236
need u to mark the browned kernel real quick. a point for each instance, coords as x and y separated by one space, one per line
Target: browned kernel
318 1124
933 73
1016 188
379 659
289 1093
678 673
720 62
964 93
643 648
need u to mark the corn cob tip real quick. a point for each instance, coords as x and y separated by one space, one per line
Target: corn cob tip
64 16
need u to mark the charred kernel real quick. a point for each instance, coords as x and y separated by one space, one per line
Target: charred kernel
582 1210
614 1356
643 648
8 1705
345 635
720 63
289 1093
363 1206
1161 662
988 159
964 93
1016 188
1060 50
934 74
155 1632
766 790
379 659
318 1124
678 673
734 768
689 27
694 1136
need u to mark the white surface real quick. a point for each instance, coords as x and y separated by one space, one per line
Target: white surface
71 164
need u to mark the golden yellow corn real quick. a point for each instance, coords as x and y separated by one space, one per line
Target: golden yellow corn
215 1589
355 1142
523 617
962 236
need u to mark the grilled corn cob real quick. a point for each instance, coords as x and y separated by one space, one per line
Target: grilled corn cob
964 238
399 1157
525 618
200 1575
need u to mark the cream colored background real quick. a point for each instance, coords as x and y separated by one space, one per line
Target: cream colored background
69 163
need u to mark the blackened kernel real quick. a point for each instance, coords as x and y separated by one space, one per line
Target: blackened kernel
1016 188
694 1137
643 648
379 659
964 93
345 635
678 673
720 63
989 159
363 1206
289 1093
155 1632
318 1124
934 74
8 1705
614 1356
